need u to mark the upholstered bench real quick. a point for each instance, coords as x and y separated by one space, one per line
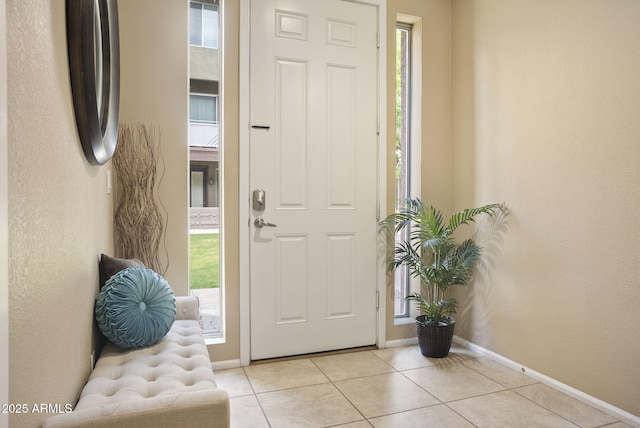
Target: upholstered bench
169 384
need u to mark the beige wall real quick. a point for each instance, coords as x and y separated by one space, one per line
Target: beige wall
59 216
435 123
154 90
4 223
546 100
230 350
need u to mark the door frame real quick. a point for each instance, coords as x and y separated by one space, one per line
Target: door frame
244 170
205 182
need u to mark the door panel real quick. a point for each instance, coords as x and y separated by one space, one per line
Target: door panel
290 287
341 282
314 85
291 122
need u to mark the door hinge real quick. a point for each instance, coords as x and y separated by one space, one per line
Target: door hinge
378 211
377 300
378 40
378 126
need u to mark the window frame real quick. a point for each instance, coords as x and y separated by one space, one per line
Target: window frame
414 139
403 186
213 338
216 100
216 9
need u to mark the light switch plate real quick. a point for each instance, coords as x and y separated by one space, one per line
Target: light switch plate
109 183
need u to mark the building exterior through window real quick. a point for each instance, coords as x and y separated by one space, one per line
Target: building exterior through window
204 161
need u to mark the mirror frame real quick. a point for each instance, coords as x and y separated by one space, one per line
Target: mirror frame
93 40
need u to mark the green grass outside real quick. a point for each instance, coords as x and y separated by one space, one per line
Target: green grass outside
204 260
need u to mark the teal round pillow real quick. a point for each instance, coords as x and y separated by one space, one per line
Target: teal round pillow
136 308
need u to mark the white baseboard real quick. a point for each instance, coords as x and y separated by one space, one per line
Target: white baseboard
222 365
594 402
401 342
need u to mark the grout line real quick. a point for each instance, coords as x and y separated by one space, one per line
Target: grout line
544 407
459 414
255 396
340 391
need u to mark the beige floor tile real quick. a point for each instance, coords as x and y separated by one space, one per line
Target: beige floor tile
509 410
500 373
452 382
352 365
234 381
246 413
359 424
565 406
310 406
409 357
429 417
383 394
459 353
404 357
283 375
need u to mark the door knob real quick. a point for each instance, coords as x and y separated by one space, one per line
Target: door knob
260 223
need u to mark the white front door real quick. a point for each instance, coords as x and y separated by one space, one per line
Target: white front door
313 151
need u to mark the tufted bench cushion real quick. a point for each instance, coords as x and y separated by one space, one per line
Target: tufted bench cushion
165 385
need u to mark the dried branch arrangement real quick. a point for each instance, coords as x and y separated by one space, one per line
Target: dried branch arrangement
139 224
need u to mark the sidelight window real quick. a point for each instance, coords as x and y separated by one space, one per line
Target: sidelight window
407 144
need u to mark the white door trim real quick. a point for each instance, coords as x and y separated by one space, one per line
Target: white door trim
244 208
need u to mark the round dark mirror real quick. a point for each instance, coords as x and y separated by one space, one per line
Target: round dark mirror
94 66
97 57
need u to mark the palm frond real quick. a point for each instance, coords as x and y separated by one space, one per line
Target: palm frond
467 254
467 215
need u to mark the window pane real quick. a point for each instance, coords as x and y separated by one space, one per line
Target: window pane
195 24
210 26
203 108
403 33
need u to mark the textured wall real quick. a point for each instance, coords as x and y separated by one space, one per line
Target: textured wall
4 223
204 63
59 216
546 99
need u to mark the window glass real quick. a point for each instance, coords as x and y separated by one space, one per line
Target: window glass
203 25
402 182
195 23
206 145
203 108
210 26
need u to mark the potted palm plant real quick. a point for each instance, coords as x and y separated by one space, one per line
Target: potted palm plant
429 252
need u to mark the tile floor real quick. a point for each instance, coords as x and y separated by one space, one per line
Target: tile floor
398 387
